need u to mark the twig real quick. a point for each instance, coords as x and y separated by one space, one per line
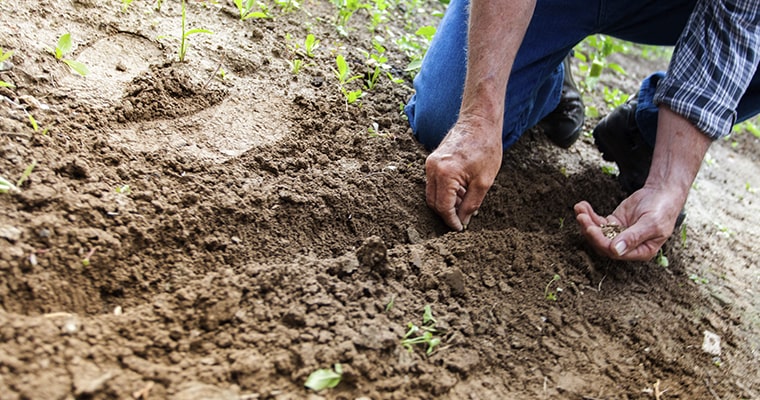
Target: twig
216 71
143 393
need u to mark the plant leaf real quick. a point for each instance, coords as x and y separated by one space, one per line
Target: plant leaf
323 379
194 31
77 67
6 84
5 55
64 45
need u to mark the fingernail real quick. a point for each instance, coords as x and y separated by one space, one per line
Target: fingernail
620 248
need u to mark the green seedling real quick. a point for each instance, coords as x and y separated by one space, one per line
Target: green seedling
125 4
683 235
391 303
26 174
4 56
593 53
158 5
184 43
123 189
343 73
288 5
36 126
346 8
246 9
86 259
610 170
561 222
324 378
424 334
415 46
551 294
614 98
7 187
698 279
63 47
662 260
295 66
376 61
310 44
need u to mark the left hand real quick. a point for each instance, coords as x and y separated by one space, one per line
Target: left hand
647 216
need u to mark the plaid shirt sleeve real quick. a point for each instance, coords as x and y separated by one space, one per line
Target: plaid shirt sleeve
713 63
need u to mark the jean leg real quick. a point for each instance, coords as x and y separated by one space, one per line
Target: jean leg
535 82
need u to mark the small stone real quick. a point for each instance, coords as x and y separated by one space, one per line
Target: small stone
711 343
11 233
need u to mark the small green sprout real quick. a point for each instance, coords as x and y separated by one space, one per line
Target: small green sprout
246 9
7 187
6 84
64 46
288 5
295 66
324 378
683 235
424 334
551 294
184 44
561 222
26 174
310 44
391 303
36 126
123 189
125 4
662 260
610 170
698 279
86 259
343 73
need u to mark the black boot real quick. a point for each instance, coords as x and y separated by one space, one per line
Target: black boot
563 125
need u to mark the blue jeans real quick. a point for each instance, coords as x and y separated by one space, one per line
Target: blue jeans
535 83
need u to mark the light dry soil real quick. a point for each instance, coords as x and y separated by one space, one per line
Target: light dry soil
267 233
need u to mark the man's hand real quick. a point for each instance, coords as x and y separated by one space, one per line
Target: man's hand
462 169
647 218
649 214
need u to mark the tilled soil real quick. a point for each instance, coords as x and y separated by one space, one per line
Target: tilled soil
190 237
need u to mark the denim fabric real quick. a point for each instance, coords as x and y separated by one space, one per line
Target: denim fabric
535 83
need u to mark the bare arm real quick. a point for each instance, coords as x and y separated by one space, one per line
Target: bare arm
462 169
650 213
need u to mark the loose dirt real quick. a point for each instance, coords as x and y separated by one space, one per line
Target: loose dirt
261 231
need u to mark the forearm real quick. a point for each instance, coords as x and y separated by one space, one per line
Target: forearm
496 30
679 150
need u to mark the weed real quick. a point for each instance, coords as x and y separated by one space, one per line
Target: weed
324 378
551 294
424 334
183 42
63 47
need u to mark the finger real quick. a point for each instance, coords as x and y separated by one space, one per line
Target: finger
471 202
445 201
639 242
584 207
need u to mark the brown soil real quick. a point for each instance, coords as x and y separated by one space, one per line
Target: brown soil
267 233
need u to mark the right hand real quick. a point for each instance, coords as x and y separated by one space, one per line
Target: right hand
462 169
